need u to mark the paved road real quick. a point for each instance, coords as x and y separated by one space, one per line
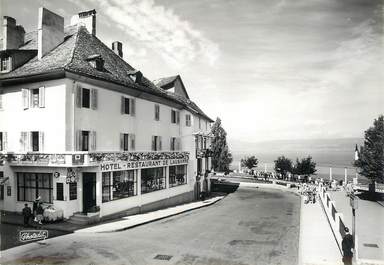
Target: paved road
250 226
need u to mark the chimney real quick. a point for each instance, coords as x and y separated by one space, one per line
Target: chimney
117 47
13 35
87 19
50 31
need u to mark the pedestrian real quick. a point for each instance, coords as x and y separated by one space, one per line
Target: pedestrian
34 208
39 212
347 245
27 213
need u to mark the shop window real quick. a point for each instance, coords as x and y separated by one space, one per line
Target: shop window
177 175
152 179
188 120
60 191
124 184
175 116
32 185
106 186
156 143
157 112
73 191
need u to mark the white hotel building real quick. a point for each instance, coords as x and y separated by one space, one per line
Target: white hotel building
87 132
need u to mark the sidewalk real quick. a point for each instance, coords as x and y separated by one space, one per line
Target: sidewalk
17 219
139 219
317 243
369 226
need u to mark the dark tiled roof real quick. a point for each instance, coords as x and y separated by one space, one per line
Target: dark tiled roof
71 55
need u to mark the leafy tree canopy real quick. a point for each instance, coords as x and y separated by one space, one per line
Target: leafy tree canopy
370 160
249 162
221 157
283 165
305 166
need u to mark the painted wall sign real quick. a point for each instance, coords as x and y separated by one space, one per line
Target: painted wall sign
117 166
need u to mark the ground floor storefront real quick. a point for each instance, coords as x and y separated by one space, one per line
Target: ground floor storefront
101 188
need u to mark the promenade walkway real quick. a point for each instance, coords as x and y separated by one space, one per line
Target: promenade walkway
369 226
317 243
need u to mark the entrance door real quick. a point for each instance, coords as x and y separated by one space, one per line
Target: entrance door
89 190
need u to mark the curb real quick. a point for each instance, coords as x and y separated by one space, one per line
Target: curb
156 219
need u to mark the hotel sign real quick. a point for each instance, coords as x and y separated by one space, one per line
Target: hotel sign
124 165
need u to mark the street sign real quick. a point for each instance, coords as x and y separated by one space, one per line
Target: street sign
353 201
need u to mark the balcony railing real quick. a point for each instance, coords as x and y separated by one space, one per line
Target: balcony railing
85 158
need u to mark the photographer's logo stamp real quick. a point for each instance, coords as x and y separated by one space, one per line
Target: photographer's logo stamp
32 235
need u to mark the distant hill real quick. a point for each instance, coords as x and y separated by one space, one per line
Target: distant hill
326 152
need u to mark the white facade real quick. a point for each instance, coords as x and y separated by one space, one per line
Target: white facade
57 120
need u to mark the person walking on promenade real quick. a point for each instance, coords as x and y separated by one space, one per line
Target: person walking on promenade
27 213
39 212
347 246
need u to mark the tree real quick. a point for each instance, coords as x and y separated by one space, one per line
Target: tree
305 166
221 157
283 165
370 162
249 162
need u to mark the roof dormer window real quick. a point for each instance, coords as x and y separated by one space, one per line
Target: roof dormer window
96 62
5 64
135 76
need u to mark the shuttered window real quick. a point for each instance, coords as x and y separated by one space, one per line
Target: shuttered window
175 116
128 106
73 191
188 120
157 112
86 97
124 142
132 142
86 141
1 101
3 141
156 143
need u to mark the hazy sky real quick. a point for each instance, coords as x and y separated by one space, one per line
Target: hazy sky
270 69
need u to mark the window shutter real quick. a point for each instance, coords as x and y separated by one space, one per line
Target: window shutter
93 139
79 141
178 144
178 117
122 105
94 99
155 112
1 101
159 149
133 143
121 141
79 96
25 96
28 141
5 141
133 106
41 141
41 97
153 143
